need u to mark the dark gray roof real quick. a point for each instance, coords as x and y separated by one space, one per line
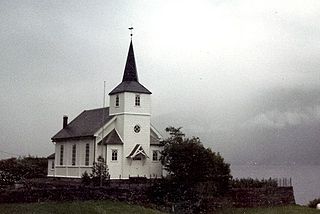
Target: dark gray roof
154 139
130 71
137 148
112 138
130 81
52 156
134 150
84 125
130 86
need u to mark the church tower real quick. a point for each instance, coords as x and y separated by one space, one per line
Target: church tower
130 103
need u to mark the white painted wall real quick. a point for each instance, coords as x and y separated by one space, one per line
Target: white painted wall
127 116
50 169
115 167
132 138
67 169
127 104
155 167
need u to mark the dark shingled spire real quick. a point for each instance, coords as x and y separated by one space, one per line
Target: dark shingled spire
130 81
130 71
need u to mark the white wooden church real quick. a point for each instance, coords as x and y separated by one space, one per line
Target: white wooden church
121 134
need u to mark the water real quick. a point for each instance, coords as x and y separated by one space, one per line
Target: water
305 179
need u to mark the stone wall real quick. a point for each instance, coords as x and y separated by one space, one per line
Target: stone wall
136 192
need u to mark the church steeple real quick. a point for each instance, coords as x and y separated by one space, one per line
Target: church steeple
130 82
130 71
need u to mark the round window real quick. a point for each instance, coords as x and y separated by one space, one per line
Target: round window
136 128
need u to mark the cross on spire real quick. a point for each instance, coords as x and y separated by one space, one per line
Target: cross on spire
130 28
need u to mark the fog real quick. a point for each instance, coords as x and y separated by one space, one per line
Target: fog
241 75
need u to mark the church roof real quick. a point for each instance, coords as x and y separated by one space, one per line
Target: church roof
112 138
154 139
130 81
130 86
137 150
84 125
52 156
130 71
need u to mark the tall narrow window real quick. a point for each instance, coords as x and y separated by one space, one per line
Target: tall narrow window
137 100
87 154
61 155
155 155
117 101
74 154
52 164
114 155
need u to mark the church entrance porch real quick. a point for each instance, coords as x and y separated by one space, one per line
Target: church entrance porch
137 160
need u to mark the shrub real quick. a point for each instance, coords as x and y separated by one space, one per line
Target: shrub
25 167
313 203
195 173
100 173
85 179
253 183
7 179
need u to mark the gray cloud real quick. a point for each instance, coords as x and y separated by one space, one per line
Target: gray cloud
243 76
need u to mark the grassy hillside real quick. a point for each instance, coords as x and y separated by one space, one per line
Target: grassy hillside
87 207
274 210
102 207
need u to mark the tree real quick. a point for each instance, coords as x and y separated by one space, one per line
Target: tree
190 164
24 167
85 179
100 172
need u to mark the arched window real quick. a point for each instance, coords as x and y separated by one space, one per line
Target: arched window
117 101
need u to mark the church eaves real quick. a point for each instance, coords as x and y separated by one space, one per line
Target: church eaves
130 81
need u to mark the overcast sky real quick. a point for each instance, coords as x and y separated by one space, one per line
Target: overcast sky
241 75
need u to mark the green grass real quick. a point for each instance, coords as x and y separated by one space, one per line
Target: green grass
101 207
106 207
272 210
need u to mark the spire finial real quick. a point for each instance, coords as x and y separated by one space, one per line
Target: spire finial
131 28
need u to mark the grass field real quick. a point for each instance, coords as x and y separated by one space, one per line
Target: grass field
106 207
274 210
90 207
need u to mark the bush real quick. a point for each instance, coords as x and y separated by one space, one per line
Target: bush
253 183
17 169
99 176
189 163
85 179
100 173
195 174
313 203
6 179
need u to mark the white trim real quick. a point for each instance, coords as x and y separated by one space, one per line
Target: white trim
138 151
132 113
156 131
65 176
96 134
74 166
118 135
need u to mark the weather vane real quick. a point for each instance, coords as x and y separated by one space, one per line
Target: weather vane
130 28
